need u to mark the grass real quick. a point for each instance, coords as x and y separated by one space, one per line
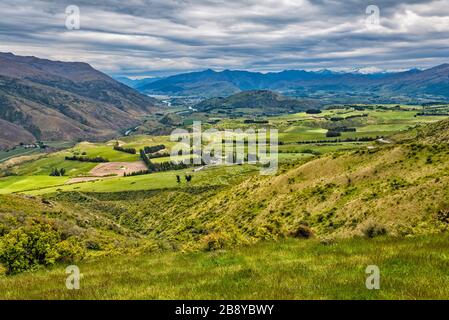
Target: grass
322 148
22 183
413 268
155 181
44 166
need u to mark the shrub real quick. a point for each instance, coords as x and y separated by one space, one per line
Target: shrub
328 241
93 245
55 172
214 241
373 230
154 149
313 111
40 244
70 250
333 134
302 231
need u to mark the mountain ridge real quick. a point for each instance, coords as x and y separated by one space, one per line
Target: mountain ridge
54 100
411 83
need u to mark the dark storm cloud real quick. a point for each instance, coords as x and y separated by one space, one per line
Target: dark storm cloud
155 37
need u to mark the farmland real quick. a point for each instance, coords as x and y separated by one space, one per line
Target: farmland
377 191
300 136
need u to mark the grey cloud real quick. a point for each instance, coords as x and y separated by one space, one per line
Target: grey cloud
156 37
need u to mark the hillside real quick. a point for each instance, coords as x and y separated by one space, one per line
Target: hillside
206 84
289 269
52 100
400 189
412 84
258 101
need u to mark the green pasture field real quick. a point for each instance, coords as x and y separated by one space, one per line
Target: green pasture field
21 183
208 176
44 165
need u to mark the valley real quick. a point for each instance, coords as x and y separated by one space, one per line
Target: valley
301 136
380 180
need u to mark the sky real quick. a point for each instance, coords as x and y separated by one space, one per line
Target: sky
140 38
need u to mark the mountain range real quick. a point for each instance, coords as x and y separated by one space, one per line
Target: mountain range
52 100
431 83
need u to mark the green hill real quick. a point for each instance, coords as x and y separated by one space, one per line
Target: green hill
255 102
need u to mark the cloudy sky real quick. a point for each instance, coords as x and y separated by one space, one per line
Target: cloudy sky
160 37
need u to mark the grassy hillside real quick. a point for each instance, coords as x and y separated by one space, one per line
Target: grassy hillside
400 189
413 268
95 230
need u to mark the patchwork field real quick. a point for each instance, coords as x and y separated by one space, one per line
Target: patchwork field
294 130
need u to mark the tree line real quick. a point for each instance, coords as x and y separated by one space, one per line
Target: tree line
336 132
97 159
154 149
163 166
348 117
357 139
55 172
117 147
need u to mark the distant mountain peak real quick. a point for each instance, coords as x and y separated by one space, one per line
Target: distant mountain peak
325 71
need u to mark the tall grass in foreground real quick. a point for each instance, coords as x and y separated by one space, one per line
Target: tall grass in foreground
411 268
